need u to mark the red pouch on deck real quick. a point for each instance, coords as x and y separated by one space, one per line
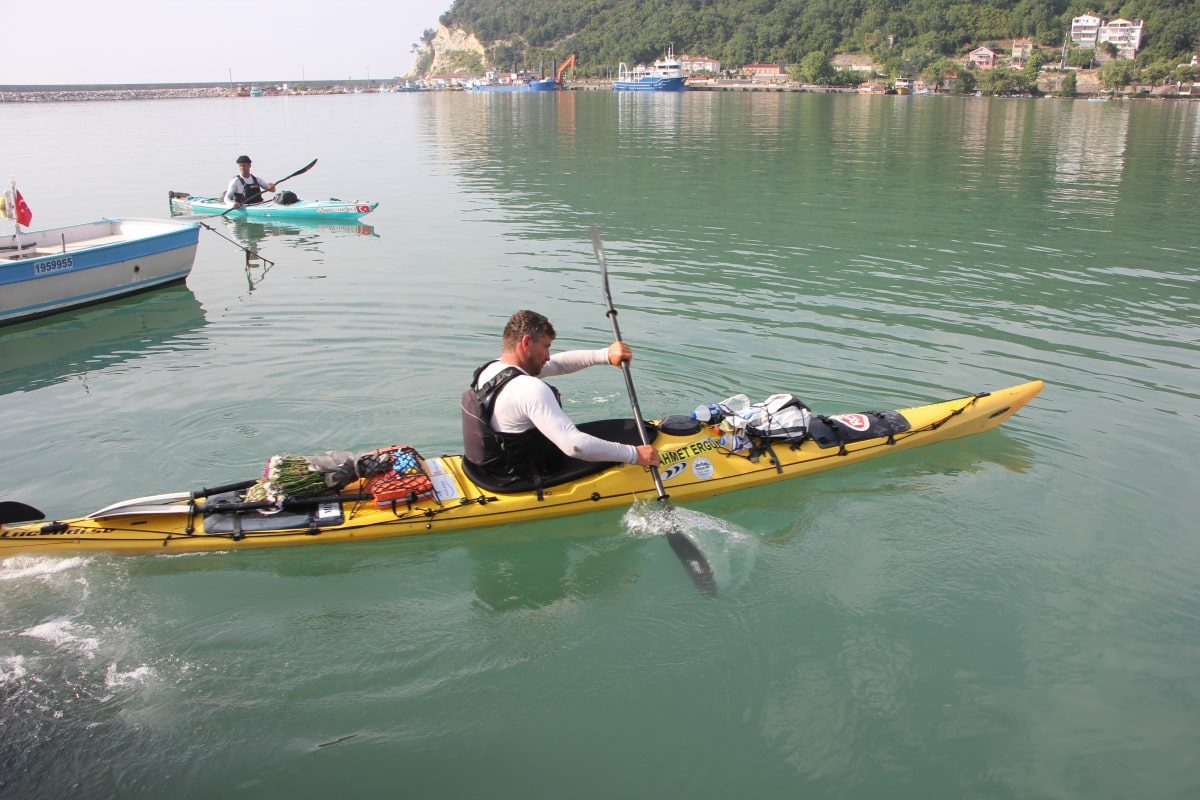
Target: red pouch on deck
404 482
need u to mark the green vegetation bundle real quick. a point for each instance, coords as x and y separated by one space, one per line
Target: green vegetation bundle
288 476
312 476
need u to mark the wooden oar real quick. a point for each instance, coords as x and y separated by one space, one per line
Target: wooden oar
687 551
300 171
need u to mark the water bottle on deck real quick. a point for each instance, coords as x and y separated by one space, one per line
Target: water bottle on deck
711 413
734 443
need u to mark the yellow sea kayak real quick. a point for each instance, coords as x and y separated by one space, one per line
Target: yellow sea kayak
694 465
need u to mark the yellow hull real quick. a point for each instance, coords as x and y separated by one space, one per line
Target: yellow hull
693 467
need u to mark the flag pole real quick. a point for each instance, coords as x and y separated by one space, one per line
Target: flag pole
11 207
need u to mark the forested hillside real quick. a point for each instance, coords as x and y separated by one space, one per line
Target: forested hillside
902 35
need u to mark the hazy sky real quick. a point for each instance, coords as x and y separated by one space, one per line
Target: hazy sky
169 41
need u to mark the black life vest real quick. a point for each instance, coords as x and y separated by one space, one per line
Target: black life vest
251 193
527 455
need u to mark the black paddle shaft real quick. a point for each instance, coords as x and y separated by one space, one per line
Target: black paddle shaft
687 551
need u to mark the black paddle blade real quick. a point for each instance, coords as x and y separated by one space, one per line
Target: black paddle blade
300 171
12 511
694 562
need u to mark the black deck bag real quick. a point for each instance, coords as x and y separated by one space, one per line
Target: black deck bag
837 430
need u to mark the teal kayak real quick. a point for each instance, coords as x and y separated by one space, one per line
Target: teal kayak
331 208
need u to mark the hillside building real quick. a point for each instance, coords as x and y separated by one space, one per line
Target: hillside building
1089 30
982 58
1021 50
1085 30
855 62
1125 34
695 65
766 71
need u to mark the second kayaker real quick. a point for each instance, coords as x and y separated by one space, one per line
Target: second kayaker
245 189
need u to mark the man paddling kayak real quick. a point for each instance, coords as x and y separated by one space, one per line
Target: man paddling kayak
245 189
513 422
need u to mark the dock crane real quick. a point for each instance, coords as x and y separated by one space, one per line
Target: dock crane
568 62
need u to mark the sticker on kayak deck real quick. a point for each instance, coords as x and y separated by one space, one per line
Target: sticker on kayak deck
673 470
444 487
858 422
672 457
344 210
703 468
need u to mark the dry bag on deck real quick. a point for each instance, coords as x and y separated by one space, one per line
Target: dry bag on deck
780 417
286 198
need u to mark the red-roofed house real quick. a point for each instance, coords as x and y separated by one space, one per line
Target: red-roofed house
982 57
1021 50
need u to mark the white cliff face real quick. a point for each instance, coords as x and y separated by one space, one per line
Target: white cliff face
445 43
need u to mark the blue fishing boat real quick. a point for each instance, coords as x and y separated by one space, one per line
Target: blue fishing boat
494 82
52 270
665 75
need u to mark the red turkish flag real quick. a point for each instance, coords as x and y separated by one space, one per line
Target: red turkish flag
24 214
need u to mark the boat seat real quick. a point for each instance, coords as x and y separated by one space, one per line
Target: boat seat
56 248
615 430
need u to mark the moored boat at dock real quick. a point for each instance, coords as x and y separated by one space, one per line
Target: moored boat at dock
665 75
47 271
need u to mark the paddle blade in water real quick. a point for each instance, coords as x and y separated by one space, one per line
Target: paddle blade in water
694 562
730 548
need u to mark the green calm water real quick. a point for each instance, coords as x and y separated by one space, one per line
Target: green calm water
1010 615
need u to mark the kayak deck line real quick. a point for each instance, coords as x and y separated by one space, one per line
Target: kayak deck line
698 468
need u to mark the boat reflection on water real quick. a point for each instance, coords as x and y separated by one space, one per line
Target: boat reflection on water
302 234
73 344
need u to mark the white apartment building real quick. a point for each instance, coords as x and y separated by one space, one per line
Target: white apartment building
1089 31
697 64
1085 30
1125 34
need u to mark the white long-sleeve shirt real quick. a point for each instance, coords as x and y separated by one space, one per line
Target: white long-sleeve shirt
238 186
527 402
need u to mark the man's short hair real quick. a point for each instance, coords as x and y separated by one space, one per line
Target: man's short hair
526 322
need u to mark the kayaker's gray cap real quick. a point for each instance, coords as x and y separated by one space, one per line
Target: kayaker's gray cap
243 159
